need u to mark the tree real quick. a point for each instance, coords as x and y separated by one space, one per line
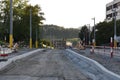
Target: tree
21 17
24 24
105 30
84 34
57 32
18 6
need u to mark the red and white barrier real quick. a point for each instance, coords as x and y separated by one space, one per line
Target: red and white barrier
111 47
93 47
92 50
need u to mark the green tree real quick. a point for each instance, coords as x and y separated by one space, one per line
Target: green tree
58 32
21 19
24 24
84 34
18 6
105 30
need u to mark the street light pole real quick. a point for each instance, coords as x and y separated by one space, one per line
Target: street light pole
115 42
94 41
36 38
114 12
89 32
11 25
30 28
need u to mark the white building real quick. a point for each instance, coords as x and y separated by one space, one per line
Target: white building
112 8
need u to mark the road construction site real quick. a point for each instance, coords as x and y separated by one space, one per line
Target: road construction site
103 56
47 64
43 65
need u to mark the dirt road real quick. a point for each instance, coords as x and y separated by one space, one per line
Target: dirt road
48 65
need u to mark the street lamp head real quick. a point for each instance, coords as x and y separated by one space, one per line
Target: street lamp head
93 18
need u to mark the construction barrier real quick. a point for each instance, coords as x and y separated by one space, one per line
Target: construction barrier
111 46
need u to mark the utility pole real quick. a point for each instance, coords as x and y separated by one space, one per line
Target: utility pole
11 25
114 16
94 41
30 28
36 38
89 32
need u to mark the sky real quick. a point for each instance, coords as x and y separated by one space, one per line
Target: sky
72 13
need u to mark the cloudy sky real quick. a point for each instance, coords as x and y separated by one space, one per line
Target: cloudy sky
72 13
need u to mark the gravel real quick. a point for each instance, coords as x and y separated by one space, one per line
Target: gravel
46 65
112 64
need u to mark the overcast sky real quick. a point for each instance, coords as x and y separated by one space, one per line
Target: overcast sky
72 13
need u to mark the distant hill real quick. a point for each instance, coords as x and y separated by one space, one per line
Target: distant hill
56 32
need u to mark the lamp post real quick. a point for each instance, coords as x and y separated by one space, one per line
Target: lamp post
11 25
114 15
36 38
89 32
30 28
94 41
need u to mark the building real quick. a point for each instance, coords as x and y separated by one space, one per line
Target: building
113 8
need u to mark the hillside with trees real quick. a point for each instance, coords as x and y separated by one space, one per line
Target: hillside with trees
57 32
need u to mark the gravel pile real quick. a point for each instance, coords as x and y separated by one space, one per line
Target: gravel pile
112 64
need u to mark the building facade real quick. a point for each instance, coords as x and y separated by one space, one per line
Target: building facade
112 9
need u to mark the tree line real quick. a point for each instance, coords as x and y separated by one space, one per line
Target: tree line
58 32
104 30
21 20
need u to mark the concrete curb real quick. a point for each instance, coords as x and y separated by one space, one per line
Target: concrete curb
92 66
4 64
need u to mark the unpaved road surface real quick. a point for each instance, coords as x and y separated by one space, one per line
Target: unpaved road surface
112 64
47 65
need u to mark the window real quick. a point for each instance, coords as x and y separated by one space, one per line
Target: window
108 8
109 16
115 6
118 4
